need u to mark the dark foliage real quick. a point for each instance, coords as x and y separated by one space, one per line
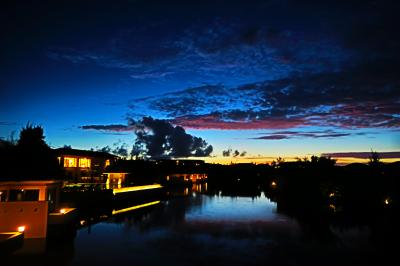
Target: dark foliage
29 158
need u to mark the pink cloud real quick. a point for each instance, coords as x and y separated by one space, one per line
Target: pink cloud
215 122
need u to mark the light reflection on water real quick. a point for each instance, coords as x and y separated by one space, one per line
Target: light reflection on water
193 230
197 230
234 209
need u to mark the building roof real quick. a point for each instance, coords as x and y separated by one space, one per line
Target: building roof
86 153
35 183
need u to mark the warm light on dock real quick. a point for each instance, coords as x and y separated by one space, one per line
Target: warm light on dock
21 228
387 201
63 211
135 207
136 188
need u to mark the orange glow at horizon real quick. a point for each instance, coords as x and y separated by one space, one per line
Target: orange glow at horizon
270 159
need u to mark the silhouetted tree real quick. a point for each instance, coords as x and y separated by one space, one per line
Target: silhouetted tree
35 158
374 158
8 157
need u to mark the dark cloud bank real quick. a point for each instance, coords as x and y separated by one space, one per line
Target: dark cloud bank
358 98
363 155
157 139
278 135
331 65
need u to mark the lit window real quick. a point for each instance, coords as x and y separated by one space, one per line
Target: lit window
107 163
84 163
69 162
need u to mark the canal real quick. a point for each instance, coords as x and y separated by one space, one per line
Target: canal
191 228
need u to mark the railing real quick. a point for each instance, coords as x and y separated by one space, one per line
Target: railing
86 187
83 187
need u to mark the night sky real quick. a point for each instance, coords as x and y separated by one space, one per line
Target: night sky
254 79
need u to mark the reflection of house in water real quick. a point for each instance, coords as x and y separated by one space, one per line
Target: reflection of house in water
186 178
84 165
183 171
27 206
181 163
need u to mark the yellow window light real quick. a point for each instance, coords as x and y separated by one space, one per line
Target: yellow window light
70 162
84 162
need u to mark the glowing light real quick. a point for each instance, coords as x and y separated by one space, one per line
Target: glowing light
273 184
84 162
70 162
107 163
135 207
332 207
387 201
331 195
82 222
136 188
21 228
62 211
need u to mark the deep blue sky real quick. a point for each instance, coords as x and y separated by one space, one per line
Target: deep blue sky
272 78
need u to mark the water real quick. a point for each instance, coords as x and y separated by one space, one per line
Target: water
201 230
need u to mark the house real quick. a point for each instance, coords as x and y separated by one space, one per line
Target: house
115 179
83 165
30 206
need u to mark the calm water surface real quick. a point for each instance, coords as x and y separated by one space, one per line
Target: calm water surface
200 230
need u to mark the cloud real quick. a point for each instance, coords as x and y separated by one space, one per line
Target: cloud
161 139
155 138
363 155
109 128
273 137
5 123
361 97
262 70
212 49
278 135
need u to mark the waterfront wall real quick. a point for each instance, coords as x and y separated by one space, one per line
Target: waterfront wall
32 215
